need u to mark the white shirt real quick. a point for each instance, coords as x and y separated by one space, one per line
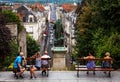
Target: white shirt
45 56
45 62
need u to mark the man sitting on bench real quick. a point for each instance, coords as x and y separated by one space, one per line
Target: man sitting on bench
18 67
44 62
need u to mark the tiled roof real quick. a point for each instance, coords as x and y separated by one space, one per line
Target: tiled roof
69 7
39 6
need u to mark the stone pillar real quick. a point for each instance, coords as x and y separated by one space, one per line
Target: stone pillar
59 60
22 42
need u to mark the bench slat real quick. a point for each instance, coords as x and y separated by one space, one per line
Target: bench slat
83 66
96 69
96 59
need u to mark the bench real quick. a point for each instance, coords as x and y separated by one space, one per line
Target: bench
80 67
27 66
47 69
31 59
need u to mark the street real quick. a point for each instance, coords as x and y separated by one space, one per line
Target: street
62 76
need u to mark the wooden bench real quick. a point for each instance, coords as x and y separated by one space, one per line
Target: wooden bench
31 59
47 69
27 66
80 67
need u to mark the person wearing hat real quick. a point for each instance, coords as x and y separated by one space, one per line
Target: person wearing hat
17 65
107 64
44 62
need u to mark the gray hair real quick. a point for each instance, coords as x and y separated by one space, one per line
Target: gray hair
21 53
107 53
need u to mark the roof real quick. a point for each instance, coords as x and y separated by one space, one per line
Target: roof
69 7
39 6
24 12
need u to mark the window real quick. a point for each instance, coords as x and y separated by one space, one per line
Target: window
30 18
31 29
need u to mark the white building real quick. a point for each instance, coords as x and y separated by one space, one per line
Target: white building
33 21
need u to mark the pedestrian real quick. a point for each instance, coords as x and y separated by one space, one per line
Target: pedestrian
107 63
37 65
18 65
91 63
45 62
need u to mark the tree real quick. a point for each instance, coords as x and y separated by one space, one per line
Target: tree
83 29
11 17
5 39
32 46
97 28
7 48
5 36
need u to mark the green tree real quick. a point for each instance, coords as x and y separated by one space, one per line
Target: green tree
32 46
8 48
5 39
97 28
83 29
14 52
11 17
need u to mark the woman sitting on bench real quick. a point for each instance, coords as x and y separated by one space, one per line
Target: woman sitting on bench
91 63
37 65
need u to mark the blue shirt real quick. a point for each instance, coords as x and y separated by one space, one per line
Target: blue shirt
17 61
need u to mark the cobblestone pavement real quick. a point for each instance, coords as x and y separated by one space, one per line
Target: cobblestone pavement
62 76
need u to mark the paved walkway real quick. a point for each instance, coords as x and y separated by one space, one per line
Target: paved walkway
62 76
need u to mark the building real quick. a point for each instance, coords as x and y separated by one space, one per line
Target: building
33 19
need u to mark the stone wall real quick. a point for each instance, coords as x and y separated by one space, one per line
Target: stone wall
13 29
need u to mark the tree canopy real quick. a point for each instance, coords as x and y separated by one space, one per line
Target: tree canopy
10 17
32 46
97 28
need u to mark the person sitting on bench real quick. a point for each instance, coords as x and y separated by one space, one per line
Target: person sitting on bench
107 63
17 65
91 63
37 65
44 62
